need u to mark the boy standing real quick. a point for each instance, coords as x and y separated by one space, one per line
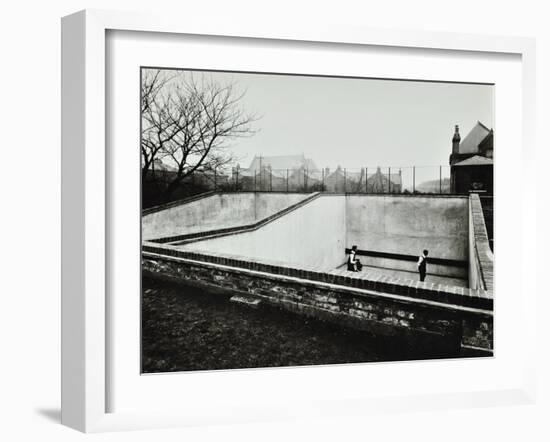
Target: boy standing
421 264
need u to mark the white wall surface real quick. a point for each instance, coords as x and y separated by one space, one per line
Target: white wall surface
216 212
313 235
408 225
30 183
317 233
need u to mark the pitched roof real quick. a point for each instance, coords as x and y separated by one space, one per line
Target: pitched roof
476 160
283 162
395 178
470 144
338 174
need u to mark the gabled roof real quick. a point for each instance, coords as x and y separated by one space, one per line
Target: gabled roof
338 174
476 160
283 162
310 165
395 178
470 144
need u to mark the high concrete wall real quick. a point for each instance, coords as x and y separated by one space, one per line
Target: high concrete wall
408 224
319 231
266 203
216 211
313 235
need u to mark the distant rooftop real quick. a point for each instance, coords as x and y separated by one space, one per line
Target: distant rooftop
476 160
283 162
470 144
339 174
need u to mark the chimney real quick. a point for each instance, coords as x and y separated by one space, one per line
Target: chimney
456 140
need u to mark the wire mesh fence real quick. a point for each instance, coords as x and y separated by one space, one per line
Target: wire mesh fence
159 188
412 179
376 180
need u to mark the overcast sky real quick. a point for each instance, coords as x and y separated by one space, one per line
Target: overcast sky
358 122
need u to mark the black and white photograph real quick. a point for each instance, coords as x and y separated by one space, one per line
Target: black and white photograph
275 221
302 220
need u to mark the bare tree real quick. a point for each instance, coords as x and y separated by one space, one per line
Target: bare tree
188 122
152 83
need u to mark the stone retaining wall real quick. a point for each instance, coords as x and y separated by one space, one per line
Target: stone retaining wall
475 298
456 326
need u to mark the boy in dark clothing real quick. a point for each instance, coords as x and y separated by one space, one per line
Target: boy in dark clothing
354 265
421 264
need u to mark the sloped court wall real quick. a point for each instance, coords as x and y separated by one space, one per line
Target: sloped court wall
312 235
218 210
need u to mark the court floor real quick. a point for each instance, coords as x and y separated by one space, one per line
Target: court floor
371 271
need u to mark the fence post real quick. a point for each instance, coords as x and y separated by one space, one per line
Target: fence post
414 178
287 180
400 190
345 180
215 179
440 190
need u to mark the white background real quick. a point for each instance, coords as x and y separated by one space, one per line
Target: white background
30 146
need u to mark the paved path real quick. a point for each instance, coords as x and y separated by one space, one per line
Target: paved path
370 272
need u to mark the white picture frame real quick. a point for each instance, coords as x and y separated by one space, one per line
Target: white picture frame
85 310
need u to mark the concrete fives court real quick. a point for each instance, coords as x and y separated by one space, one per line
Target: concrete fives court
391 231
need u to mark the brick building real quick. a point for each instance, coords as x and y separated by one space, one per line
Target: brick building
471 161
